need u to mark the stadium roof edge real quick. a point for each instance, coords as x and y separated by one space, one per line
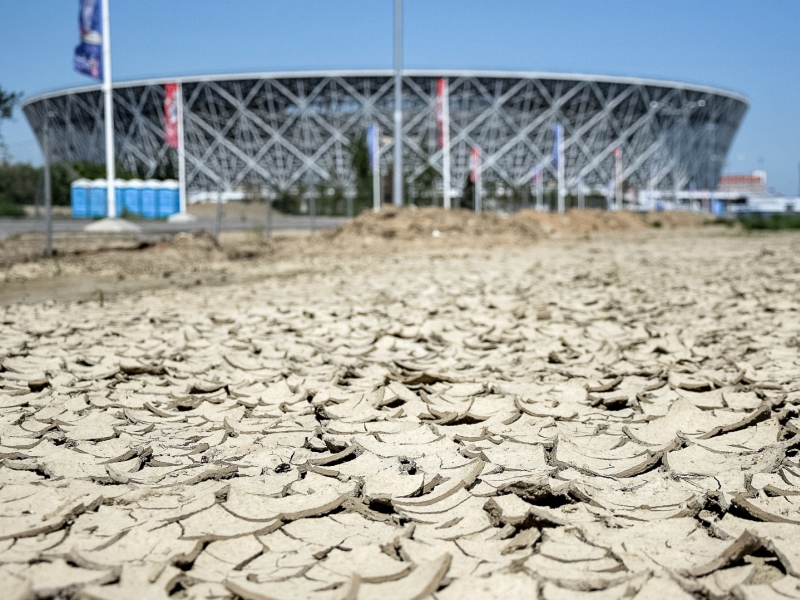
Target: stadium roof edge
389 72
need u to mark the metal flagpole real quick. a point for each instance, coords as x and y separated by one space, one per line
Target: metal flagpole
476 177
376 168
539 189
48 197
397 192
181 154
580 193
560 168
618 179
269 215
446 143
218 215
109 114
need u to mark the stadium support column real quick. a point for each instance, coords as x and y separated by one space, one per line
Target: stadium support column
109 115
397 192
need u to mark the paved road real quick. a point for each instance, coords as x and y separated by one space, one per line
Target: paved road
10 227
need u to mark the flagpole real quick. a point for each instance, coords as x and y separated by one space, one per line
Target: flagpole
397 195
181 155
109 114
376 169
560 168
581 202
539 194
475 155
618 179
446 144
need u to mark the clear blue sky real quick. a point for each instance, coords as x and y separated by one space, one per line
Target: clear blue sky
749 47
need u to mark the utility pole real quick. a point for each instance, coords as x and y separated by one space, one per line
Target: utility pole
397 193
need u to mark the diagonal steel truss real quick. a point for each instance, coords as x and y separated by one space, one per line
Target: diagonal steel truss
280 130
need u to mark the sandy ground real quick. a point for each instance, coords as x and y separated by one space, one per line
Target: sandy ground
602 416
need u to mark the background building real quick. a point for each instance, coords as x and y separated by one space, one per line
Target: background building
753 184
277 131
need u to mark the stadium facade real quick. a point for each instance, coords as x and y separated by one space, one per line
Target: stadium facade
276 130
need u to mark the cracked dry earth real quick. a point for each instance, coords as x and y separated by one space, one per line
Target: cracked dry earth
595 419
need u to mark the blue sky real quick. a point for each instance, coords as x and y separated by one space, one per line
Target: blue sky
752 48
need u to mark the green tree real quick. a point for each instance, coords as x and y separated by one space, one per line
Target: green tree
19 183
8 100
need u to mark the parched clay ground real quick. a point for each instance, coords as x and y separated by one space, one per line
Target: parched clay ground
604 418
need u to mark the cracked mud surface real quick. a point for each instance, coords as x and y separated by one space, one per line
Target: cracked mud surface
593 419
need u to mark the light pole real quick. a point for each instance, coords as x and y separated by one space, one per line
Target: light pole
397 193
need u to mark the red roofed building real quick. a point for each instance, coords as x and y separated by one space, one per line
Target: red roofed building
755 183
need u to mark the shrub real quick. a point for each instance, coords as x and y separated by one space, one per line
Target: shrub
770 222
15 211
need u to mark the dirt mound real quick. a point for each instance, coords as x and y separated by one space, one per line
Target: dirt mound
409 224
418 224
192 240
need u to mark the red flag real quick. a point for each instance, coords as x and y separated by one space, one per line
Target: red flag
442 116
475 165
171 114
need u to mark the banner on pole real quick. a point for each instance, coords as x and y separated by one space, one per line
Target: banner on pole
88 58
475 165
442 111
558 135
171 114
373 147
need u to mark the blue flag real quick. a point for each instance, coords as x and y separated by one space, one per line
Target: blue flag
558 134
372 146
89 53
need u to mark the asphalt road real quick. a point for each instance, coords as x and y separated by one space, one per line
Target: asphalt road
9 227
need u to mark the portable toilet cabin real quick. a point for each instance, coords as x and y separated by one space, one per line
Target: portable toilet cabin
168 202
98 207
132 197
149 197
79 198
119 188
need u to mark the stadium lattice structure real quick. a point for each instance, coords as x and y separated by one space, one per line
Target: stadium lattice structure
279 129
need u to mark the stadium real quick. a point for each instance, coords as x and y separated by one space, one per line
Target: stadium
278 131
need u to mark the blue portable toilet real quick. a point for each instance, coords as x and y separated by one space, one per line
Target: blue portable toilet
149 198
79 198
98 207
119 189
168 203
132 196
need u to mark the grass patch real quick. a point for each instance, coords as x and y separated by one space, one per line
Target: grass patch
15 211
720 221
770 222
